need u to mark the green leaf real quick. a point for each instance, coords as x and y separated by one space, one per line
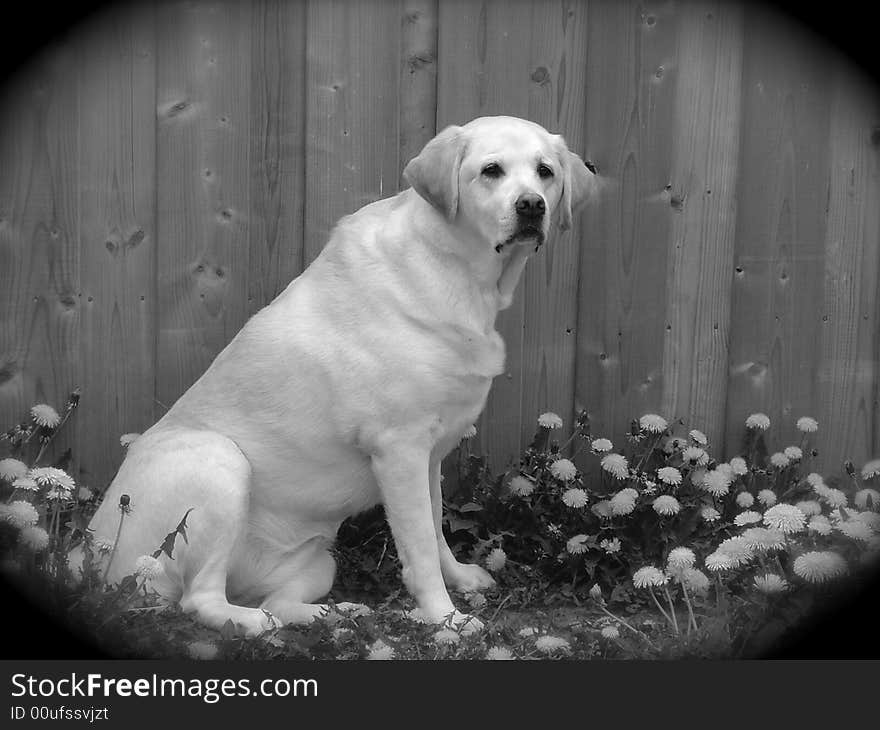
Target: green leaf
470 507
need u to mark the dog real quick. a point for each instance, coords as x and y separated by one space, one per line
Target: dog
347 391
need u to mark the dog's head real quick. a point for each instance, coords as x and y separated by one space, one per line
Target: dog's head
503 177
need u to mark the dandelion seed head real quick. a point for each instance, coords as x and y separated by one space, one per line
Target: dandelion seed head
148 567
496 560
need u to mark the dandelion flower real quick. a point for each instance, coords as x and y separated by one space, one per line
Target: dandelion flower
698 477
745 499
12 469
718 561
548 644
499 653
666 505
601 446
610 632
786 518
576 545
820 524
616 465
747 518
49 476
20 514
34 538
521 486
602 509
526 632
446 637
148 567
767 497
624 502
695 579
771 584
202 650
779 460
739 466
653 423
45 416
127 439
695 455
574 498
496 559
820 566
762 540
833 497
669 475
814 479
84 494
710 514
596 593
680 558
807 425
758 421
855 530
698 437
469 432
717 482
794 453
549 420
26 483
737 550
610 546
563 470
871 469
861 498
648 576
809 507
380 651
871 519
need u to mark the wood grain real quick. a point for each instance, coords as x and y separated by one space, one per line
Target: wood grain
352 138
117 94
203 203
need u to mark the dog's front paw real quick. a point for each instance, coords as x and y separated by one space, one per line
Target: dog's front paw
468 578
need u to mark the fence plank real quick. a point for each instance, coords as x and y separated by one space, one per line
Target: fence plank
780 262
352 101
202 202
117 125
705 144
850 322
632 72
277 148
39 235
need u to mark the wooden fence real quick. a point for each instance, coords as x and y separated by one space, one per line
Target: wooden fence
167 169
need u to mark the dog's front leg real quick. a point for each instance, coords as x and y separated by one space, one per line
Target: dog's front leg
459 576
401 470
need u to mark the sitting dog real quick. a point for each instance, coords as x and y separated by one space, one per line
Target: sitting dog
348 390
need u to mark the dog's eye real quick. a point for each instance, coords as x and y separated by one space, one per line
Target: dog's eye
493 169
544 172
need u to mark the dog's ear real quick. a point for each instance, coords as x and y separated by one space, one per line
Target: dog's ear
577 183
434 172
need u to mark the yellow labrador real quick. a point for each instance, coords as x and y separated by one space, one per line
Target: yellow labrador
348 390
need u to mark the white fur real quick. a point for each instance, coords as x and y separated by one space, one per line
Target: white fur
346 391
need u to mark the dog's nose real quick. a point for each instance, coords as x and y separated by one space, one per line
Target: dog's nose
530 205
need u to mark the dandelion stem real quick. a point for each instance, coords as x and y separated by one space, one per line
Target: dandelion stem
115 543
672 611
631 628
659 607
691 620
